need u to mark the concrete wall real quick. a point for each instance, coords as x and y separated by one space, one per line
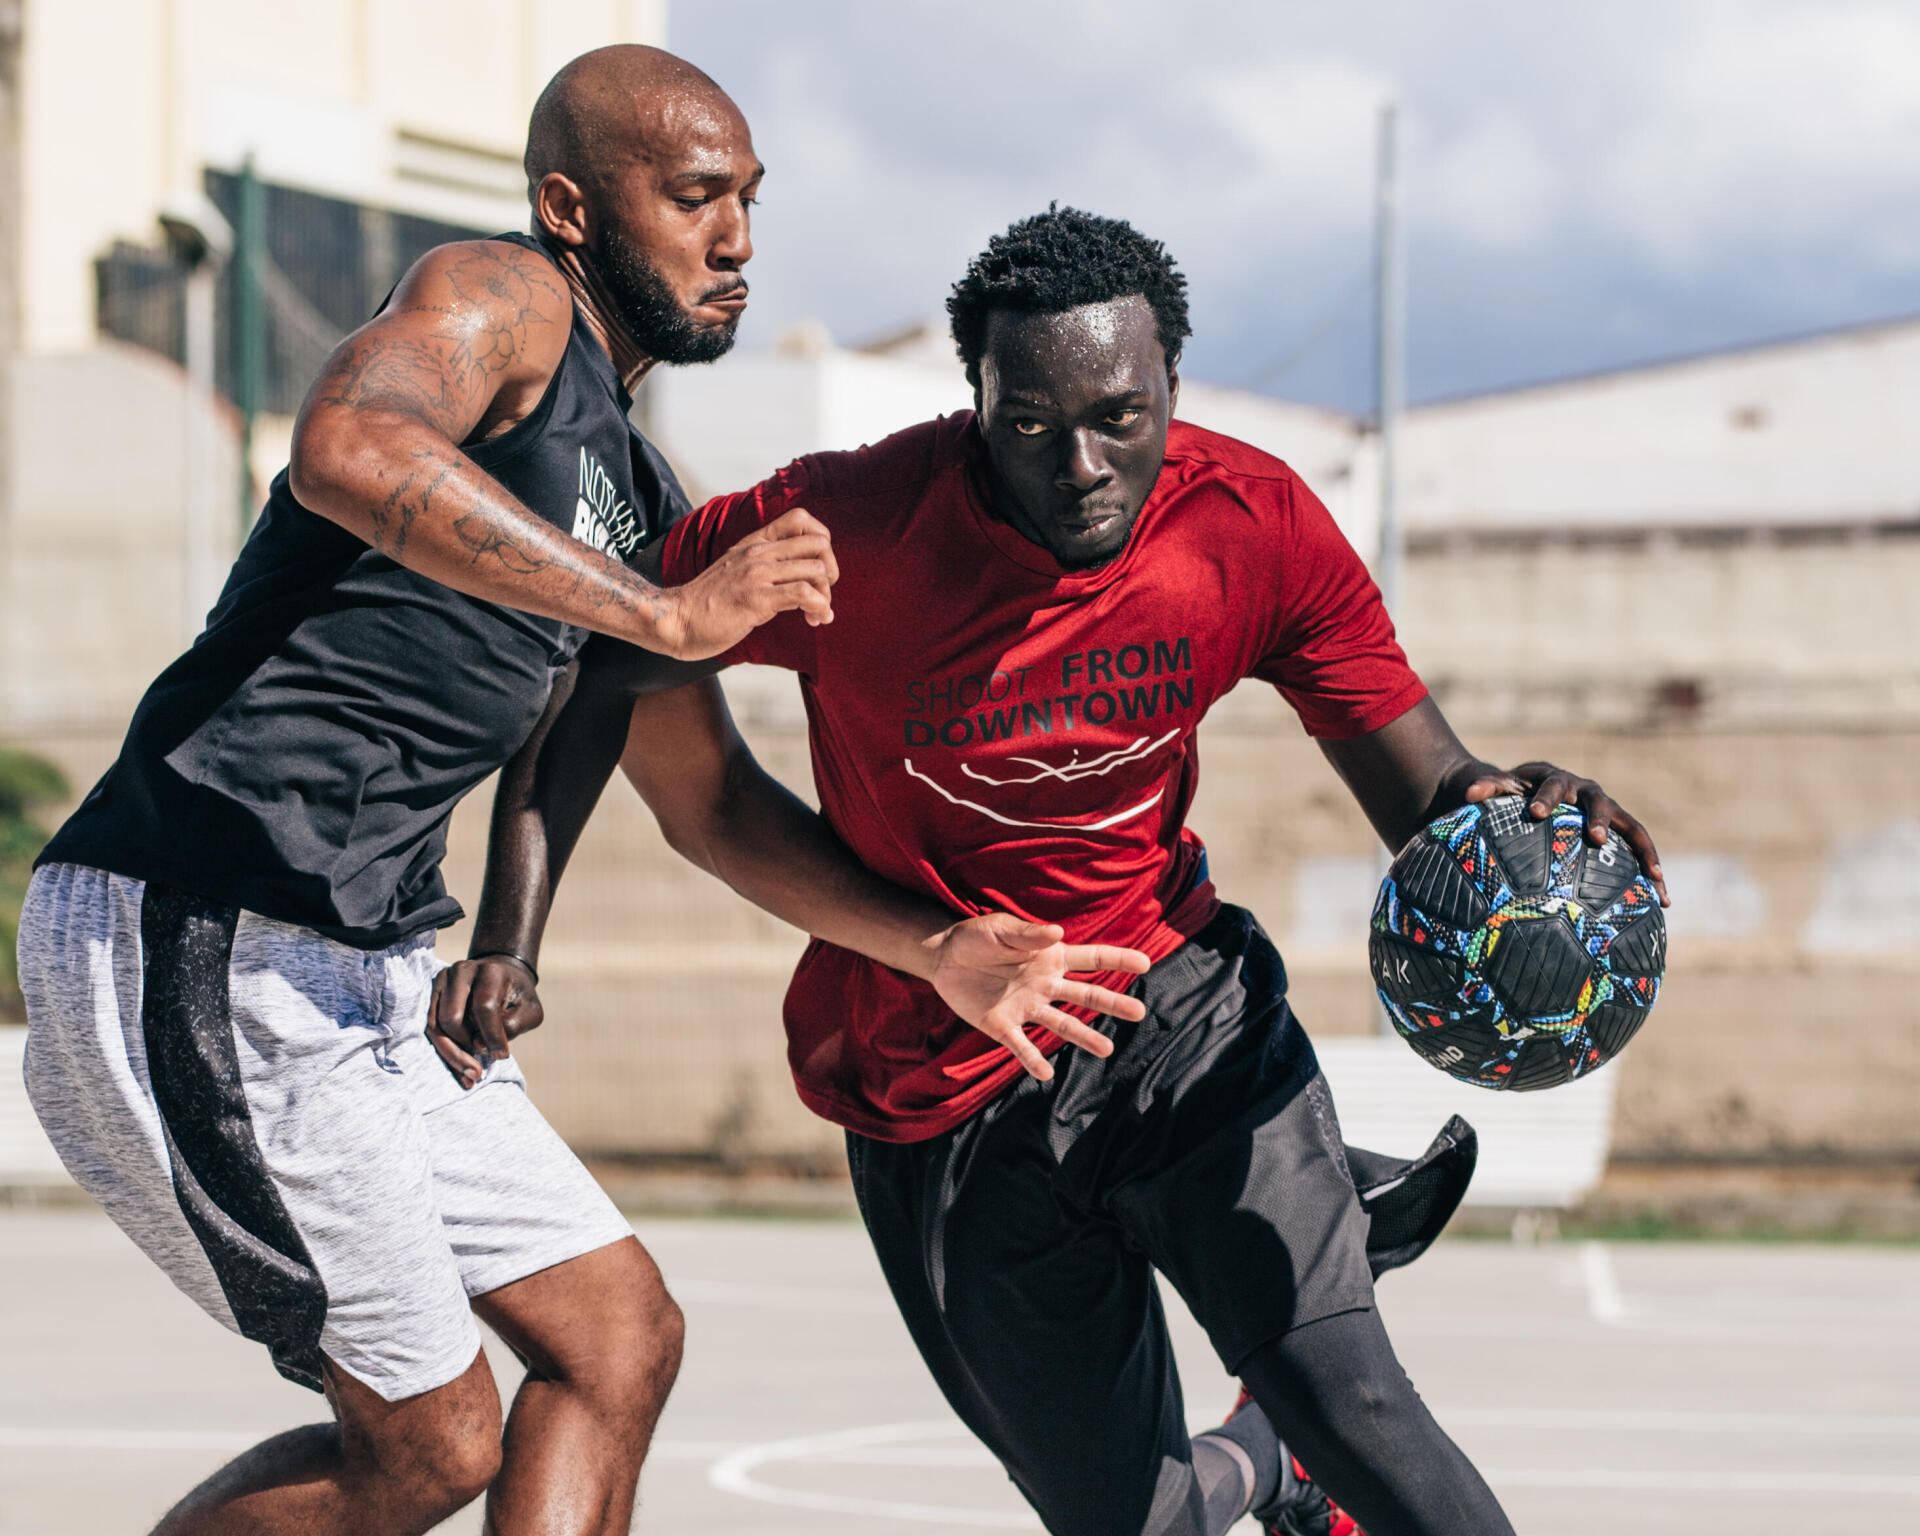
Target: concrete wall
94 575
1751 632
1789 1027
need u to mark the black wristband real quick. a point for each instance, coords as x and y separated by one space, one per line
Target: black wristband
506 954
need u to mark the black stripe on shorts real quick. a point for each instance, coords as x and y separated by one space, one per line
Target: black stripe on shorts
219 1176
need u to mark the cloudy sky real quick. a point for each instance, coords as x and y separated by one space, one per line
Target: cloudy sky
1588 184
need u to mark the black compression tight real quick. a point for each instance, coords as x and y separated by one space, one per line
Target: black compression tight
1344 1406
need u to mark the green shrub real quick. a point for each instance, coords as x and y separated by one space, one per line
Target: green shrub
27 784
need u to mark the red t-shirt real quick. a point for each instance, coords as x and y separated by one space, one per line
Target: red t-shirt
1005 735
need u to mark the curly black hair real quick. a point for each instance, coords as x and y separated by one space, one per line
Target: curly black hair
1059 260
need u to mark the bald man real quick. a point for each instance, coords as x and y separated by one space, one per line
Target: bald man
227 952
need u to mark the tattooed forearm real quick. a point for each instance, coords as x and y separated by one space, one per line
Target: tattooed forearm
486 535
394 515
393 519
469 344
491 531
464 516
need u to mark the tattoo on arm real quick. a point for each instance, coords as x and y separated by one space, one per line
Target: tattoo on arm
438 361
491 528
501 287
431 366
484 532
394 515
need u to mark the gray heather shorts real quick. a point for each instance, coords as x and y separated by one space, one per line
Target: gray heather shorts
259 1108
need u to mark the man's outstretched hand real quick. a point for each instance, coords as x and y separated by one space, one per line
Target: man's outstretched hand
1547 786
478 1007
1000 973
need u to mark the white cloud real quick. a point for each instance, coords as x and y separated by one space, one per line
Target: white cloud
1311 124
1493 184
1654 173
1772 125
817 130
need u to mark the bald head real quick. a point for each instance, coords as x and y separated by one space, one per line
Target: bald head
610 107
642 176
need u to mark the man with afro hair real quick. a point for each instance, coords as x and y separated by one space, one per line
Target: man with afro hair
1038 602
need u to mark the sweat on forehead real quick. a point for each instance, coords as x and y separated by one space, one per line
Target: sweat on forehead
1111 337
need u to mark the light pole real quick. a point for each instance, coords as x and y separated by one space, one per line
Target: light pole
1390 363
202 241
249 329
1389 385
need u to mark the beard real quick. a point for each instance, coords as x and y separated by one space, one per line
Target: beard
652 314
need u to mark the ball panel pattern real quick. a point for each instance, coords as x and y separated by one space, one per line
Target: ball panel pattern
1513 953
1436 884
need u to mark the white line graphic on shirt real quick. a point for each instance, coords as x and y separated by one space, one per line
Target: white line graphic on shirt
1045 826
1133 752
1075 769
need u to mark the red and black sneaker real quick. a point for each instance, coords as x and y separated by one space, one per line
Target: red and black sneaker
1298 1507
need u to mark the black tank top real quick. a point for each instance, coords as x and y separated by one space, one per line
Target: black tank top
302 759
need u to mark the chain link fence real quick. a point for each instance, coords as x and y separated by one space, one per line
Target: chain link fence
324 265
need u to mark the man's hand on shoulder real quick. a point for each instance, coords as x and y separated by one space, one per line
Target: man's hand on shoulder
787 564
1000 973
479 1006
1547 786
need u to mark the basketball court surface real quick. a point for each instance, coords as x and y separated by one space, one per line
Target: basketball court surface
1618 1388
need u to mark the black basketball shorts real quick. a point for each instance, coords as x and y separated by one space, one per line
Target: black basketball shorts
1020 1246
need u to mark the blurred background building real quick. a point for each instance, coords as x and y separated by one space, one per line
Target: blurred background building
1695 579
321 148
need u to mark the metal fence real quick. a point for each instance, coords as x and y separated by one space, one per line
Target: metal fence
323 265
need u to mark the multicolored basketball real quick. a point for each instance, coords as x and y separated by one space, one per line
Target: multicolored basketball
1513 953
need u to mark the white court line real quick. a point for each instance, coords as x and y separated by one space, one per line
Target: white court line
1682 1421
894 1445
1821 1484
733 1474
231 1441
1605 1303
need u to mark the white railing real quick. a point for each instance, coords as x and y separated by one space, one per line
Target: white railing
1536 1149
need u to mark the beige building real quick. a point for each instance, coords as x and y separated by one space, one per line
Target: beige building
375 128
417 106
